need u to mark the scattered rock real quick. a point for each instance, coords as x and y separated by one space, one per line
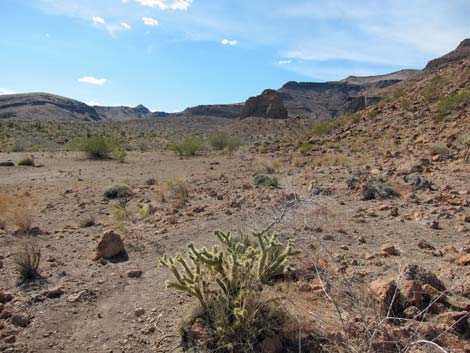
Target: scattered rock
5 297
111 245
387 293
413 272
134 274
139 312
7 164
389 250
55 293
423 244
464 260
20 320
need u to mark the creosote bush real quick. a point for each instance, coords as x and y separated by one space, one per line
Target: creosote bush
175 190
188 146
101 147
26 162
220 141
27 263
228 283
265 180
118 191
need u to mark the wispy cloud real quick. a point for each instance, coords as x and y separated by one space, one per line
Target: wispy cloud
149 21
98 20
167 4
284 62
6 91
93 80
231 42
125 25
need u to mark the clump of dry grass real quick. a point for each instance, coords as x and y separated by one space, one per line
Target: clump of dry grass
175 190
15 212
27 263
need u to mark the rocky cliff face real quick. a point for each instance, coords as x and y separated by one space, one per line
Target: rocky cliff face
267 105
462 52
122 113
229 111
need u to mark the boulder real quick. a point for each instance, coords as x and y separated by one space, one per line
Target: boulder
110 245
412 293
267 105
387 294
413 272
7 164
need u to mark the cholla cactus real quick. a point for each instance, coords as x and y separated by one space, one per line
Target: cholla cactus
233 270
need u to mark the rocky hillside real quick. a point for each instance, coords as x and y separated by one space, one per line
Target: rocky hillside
416 127
45 106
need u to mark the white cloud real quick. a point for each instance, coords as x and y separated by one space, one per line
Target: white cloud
125 25
93 80
167 4
98 20
284 62
148 21
229 42
6 91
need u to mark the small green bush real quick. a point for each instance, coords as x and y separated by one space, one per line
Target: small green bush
188 146
97 147
220 141
447 104
306 148
325 127
265 180
117 192
378 189
27 162
441 150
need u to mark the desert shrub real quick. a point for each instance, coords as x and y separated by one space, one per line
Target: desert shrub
188 146
87 222
220 141
26 162
120 155
27 263
97 147
440 150
265 180
150 181
447 104
176 190
305 148
406 103
432 90
15 211
325 128
378 189
228 284
118 191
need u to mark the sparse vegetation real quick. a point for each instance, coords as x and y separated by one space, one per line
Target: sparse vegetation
118 191
378 189
27 263
325 128
449 103
188 146
441 150
87 222
266 181
15 212
220 141
121 215
26 162
176 190
465 140
97 147
228 283
306 148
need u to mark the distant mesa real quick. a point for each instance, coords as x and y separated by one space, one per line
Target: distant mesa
267 105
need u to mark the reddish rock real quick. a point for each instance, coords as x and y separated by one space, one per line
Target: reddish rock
111 245
387 294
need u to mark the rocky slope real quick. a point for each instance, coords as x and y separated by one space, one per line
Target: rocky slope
462 52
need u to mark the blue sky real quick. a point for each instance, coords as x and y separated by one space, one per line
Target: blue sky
171 54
